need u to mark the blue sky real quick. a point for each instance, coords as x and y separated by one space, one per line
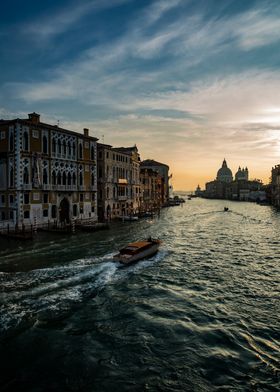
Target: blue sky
189 81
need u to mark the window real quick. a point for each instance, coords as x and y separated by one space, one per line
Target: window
45 176
69 179
45 144
45 213
11 199
25 141
68 148
108 191
11 177
46 198
26 198
53 211
92 153
107 154
64 147
26 214
74 179
2 199
81 179
92 179
11 141
36 196
93 196
81 197
75 210
59 179
35 134
3 216
59 146
64 178
25 176
53 178
53 146
11 215
92 208
74 150
3 135
81 210
80 151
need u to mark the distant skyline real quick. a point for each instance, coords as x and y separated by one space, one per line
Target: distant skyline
191 82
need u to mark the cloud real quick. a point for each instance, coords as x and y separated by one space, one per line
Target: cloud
54 24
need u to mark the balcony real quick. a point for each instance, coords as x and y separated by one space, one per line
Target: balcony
46 187
81 187
122 198
71 187
27 187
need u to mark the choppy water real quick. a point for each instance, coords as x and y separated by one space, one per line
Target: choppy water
201 315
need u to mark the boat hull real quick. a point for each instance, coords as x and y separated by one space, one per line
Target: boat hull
127 259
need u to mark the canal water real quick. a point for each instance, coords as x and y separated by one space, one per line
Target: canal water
201 315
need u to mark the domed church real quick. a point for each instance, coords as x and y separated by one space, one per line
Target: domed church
224 174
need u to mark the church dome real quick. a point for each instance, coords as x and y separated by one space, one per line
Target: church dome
224 174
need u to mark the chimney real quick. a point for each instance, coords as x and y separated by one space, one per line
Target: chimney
34 118
86 130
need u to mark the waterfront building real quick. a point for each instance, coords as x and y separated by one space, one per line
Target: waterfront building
163 170
275 186
224 187
152 189
47 173
119 189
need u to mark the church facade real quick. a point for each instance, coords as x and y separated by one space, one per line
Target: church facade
239 188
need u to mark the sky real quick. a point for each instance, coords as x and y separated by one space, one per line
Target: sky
190 82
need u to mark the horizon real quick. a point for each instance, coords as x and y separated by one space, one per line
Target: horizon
188 82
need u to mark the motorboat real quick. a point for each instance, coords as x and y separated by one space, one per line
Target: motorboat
136 251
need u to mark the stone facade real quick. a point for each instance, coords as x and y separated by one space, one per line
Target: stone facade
47 173
163 170
119 188
152 187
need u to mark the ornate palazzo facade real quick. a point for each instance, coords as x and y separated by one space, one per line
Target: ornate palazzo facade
47 173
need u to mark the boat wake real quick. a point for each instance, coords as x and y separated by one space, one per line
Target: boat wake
51 294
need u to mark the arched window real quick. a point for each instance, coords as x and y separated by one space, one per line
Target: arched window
69 149
81 179
69 179
25 141
25 176
74 150
64 178
75 210
80 151
108 193
74 179
59 146
53 211
92 153
45 144
92 179
59 178
53 146
64 147
11 177
11 141
53 178
45 176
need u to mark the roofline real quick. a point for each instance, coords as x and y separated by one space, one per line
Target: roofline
45 125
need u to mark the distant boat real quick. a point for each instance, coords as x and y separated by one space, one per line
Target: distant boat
136 251
225 209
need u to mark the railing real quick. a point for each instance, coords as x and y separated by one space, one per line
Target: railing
46 187
122 198
81 187
27 187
